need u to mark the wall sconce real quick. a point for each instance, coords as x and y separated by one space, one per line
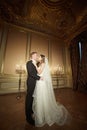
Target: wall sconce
20 69
57 70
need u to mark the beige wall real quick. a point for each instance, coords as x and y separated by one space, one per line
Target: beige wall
57 48
15 46
39 44
15 50
0 35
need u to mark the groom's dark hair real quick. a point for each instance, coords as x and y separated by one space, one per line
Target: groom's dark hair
32 53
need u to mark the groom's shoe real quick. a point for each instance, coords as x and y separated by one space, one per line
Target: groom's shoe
31 121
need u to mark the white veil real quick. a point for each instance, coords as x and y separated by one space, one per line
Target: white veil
46 71
48 79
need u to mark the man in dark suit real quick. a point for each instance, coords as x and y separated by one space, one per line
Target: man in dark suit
31 82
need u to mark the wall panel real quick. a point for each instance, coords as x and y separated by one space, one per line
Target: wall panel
57 57
15 50
39 44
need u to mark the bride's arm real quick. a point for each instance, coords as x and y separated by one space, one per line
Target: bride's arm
40 68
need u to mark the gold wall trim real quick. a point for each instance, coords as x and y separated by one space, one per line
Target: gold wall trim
28 47
31 30
3 48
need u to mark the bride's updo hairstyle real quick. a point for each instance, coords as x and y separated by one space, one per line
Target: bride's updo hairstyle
42 58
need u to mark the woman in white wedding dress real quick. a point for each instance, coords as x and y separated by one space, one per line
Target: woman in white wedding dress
46 109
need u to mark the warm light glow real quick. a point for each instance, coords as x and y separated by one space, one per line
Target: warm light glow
20 68
57 69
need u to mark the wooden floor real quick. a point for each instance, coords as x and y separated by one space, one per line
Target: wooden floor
12 111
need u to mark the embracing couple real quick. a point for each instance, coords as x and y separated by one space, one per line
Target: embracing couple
41 107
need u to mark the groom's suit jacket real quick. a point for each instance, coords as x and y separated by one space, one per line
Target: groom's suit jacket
31 77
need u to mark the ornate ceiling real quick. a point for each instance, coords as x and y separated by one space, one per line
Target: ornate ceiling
60 18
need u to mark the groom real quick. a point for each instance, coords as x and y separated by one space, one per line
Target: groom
31 82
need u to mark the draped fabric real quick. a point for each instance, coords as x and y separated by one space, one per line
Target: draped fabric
79 66
82 77
74 55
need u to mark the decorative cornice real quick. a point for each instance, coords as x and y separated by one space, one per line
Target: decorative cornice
53 17
52 4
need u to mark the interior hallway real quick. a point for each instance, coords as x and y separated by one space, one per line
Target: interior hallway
12 115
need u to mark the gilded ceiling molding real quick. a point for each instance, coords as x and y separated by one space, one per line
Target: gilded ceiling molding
52 4
14 6
58 18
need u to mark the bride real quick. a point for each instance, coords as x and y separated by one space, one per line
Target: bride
46 109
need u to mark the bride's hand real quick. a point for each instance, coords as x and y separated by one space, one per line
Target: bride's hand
41 78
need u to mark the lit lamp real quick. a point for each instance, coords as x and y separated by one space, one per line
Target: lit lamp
58 71
20 69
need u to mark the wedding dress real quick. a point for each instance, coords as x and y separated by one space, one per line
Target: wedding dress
46 109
